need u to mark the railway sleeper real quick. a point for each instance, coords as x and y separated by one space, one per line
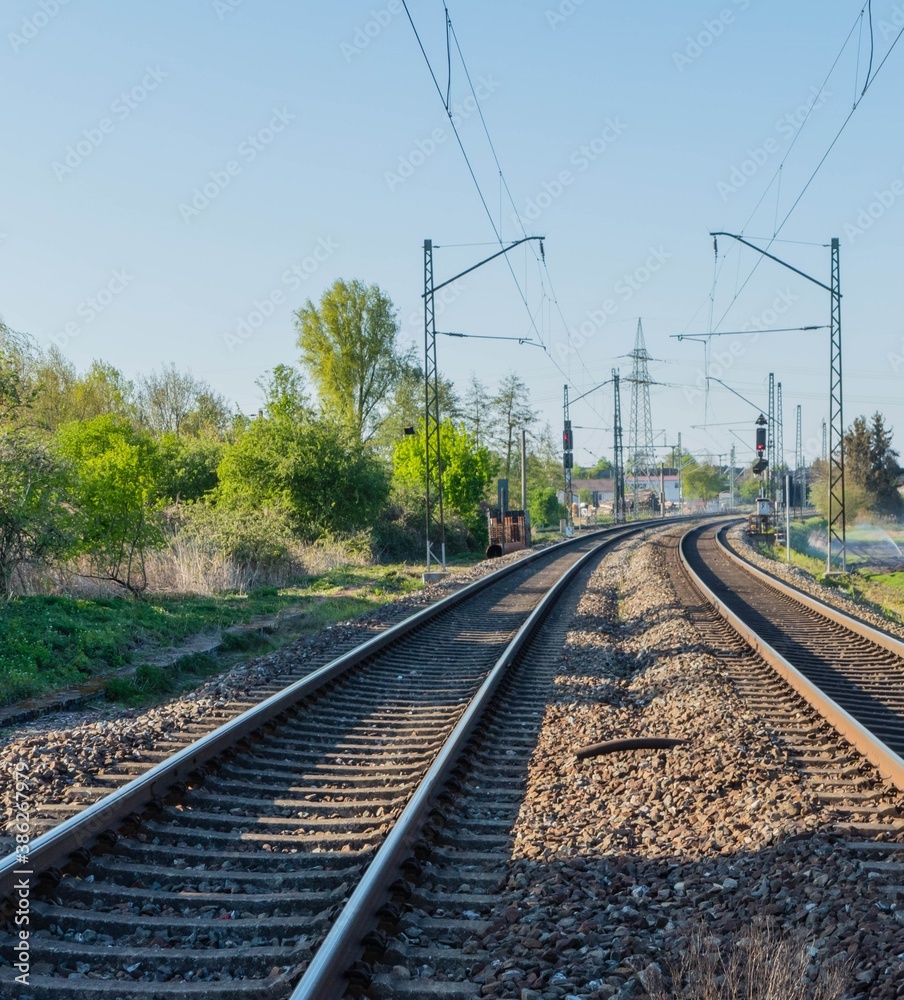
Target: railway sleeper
256 959
79 987
288 927
255 858
196 895
125 873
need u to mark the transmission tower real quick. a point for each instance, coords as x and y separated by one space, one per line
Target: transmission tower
640 444
618 501
799 470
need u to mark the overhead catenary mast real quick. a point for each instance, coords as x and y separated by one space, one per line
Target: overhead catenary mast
618 501
778 470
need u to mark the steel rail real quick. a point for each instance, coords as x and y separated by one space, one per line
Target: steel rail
852 624
79 833
323 979
889 764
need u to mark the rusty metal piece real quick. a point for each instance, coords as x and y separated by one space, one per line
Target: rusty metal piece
641 743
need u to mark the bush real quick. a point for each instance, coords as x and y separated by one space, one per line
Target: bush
217 548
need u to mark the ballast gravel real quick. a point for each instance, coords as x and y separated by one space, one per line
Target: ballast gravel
625 863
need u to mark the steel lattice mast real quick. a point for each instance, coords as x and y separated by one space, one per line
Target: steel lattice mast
780 442
837 531
618 501
770 438
431 411
837 542
640 442
799 472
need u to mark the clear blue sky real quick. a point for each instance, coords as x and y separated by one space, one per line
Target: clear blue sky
300 119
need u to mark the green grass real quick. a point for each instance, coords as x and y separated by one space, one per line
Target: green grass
882 592
47 643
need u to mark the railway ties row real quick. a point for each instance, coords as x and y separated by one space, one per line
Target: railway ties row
255 862
231 890
846 667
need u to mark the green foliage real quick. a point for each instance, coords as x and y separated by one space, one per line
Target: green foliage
544 462
702 482
871 467
407 408
15 394
257 538
870 473
585 495
750 488
349 347
544 507
116 488
468 471
61 395
188 466
511 413
304 466
601 470
35 520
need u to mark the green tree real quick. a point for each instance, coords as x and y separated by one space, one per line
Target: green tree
188 466
116 497
870 472
751 488
407 408
350 349
544 462
62 395
35 523
601 470
304 465
703 482
511 413
544 507
468 472
476 409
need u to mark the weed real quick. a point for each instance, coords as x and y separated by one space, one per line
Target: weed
762 965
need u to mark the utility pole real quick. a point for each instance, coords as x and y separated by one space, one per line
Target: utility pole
567 457
434 461
524 486
837 541
433 456
731 479
837 527
780 441
770 440
662 489
618 501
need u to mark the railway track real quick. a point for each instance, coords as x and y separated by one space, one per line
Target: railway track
222 872
850 672
832 688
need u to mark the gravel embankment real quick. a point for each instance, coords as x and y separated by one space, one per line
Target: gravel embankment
621 860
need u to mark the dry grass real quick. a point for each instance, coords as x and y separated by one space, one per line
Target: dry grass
761 966
188 567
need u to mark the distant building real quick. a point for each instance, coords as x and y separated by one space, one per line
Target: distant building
603 490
